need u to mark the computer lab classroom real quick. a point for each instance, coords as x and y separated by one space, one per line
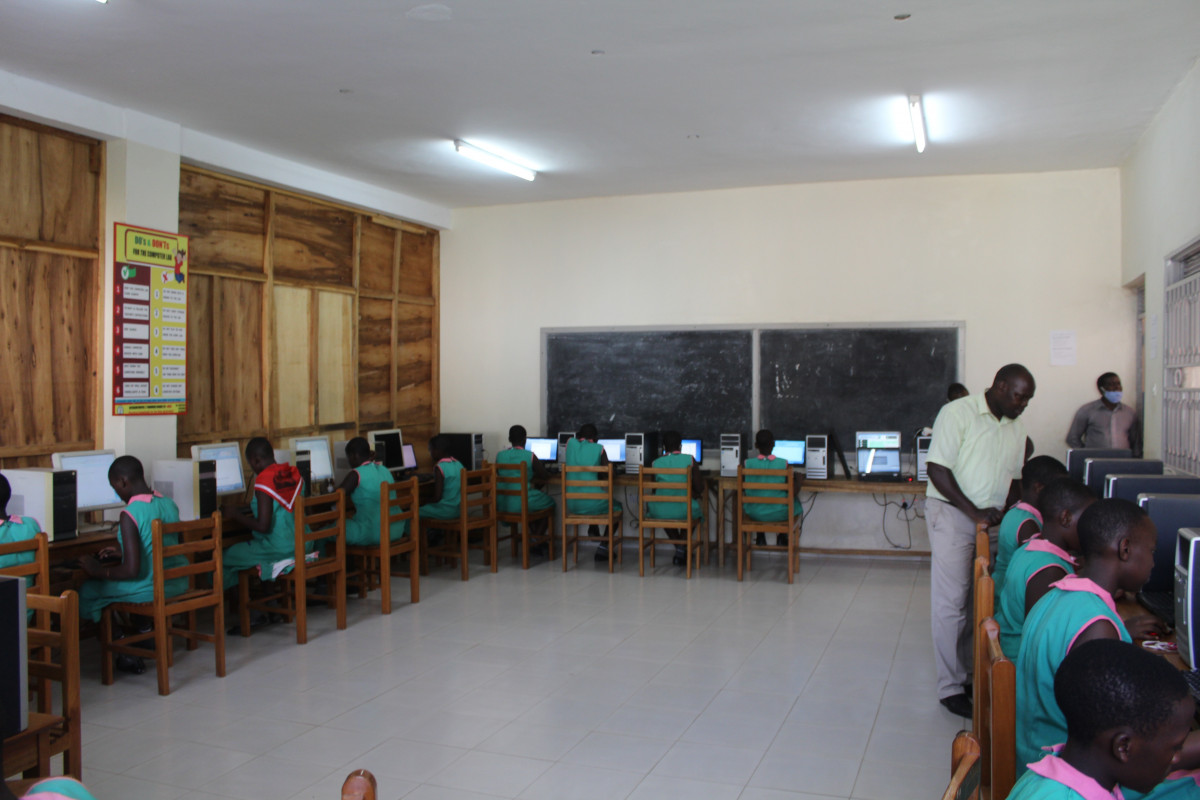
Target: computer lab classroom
719 191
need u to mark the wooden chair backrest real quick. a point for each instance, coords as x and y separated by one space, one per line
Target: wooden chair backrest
198 542
984 600
43 641
359 785
516 478
983 544
1002 709
478 496
965 771
39 567
653 483
574 486
398 501
785 489
321 517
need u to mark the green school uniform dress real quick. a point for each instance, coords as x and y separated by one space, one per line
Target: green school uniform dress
774 512
586 454
362 530
143 509
673 510
511 504
1006 540
448 506
282 483
1180 785
1051 778
17 529
1071 605
58 789
1037 555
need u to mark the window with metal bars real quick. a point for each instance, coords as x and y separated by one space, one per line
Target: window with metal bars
1181 360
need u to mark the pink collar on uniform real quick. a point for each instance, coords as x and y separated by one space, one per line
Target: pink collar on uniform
771 457
14 519
1023 506
1038 544
1075 583
447 458
143 498
1056 769
1183 774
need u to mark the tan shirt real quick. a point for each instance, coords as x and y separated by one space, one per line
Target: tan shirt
984 453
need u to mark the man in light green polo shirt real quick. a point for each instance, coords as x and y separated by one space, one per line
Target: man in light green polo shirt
974 468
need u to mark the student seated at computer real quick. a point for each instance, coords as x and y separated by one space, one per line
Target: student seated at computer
271 521
1024 520
447 482
361 486
585 451
14 529
674 458
764 443
125 574
538 499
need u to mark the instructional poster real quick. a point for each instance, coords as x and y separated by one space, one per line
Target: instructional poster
149 321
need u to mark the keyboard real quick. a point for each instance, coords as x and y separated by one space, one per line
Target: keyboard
883 477
1192 676
1160 604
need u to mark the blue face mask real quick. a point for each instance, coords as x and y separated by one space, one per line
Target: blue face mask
1113 397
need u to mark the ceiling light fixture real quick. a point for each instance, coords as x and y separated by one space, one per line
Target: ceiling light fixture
916 111
492 160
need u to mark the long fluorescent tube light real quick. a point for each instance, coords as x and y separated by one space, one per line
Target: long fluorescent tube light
916 111
492 160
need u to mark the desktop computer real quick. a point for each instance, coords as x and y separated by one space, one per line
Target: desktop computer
190 483
467 448
1096 470
14 658
1187 597
640 451
1077 456
47 495
341 464
228 458
816 458
923 443
563 438
731 453
303 463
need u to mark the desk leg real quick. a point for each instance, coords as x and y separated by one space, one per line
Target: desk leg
720 527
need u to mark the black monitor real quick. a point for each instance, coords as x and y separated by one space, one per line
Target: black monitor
1169 513
1128 487
1095 470
393 453
1078 455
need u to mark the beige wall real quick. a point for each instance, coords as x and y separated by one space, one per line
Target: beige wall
1160 212
1014 256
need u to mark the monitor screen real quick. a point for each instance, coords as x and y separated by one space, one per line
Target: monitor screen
410 457
229 465
876 460
694 448
393 449
877 440
614 449
544 449
321 462
791 449
92 489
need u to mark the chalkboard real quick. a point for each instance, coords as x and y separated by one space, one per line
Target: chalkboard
855 379
699 382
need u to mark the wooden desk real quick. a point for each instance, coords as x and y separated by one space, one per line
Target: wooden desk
28 751
85 544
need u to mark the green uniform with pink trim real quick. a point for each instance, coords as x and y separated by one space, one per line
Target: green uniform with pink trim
511 504
586 454
670 509
1052 778
362 530
1051 628
1037 555
1006 541
775 512
448 507
280 482
18 529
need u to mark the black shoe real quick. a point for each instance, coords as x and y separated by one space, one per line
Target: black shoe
958 704
593 530
761 539
540 550
131 664
602 553
680 559
781 539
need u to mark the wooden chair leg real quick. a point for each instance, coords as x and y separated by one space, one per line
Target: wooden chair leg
385 583
414 576
244 602
339 595
219 634
300 593
192 644
106 654
493 535
162 653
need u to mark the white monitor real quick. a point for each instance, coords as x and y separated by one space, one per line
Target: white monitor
410 457
877 440
320 455
92 489
614 449
230 478
694 448
544 449
792 450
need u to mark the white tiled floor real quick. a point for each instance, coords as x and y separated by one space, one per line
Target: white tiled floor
541 684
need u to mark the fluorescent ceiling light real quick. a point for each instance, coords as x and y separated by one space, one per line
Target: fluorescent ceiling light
917 113
492 160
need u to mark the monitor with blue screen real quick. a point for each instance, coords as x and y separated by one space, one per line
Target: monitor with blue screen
614 449
93 491
229 464
694 448
878 461
790 449
544 449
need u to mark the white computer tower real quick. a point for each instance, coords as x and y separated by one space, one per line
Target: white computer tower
1187 595
816 457
731 453
47 495
922 455
635 452
192 484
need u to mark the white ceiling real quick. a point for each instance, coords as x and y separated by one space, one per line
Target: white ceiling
686 95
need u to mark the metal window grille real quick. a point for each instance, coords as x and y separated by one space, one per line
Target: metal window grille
1181 361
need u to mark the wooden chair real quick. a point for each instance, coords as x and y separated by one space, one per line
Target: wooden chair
577 486
984 598
746 526
397 502
664 485
199 547
1000 714
512 480
317 518
983 543
50 734
476 512
965 770
359 785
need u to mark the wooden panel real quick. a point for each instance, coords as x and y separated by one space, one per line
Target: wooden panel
418 436
201 409
292 384
313 242
374 360
378 256
239 372
417 263
335 358
414 364
225 221
49 185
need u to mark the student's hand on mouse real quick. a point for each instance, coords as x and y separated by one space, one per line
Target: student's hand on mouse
107 553
1146 626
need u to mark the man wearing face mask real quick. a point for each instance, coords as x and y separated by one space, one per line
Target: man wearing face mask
1107 422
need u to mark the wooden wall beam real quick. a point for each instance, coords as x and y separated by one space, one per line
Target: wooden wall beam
49 247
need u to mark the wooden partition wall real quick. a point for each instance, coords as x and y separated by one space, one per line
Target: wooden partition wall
305 316
50 300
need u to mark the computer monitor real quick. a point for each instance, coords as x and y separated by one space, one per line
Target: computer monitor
790 449
1096 470
92 489
694 448
393 448
1169 513
544 449
320 455
228 456
877 440
409 457
1128 487
878 461
614 449
1077 456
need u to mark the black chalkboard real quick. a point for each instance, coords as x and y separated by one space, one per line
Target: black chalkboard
851 379
699 382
